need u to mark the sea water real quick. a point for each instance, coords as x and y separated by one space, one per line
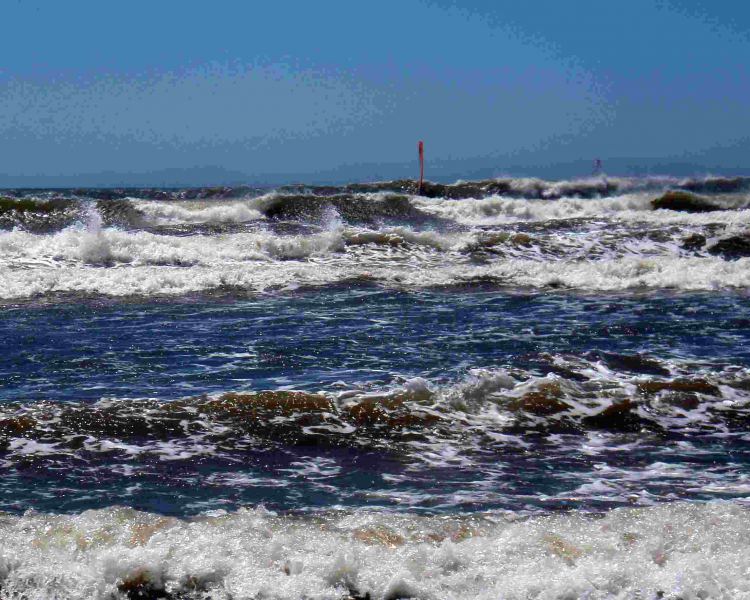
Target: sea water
499 389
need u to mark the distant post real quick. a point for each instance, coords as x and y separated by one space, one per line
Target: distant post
597 166
421 164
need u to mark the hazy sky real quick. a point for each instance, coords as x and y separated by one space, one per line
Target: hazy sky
338 89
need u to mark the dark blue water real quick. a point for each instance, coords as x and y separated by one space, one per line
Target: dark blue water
87 350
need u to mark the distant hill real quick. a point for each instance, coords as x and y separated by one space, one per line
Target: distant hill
174 177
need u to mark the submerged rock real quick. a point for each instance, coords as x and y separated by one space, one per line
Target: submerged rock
469 189
545 400
695 241
352 208
141 587
737 246
17 425
684 202
619 416
491 243
24 205
635 363
699 386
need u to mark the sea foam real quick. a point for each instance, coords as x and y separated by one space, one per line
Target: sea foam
668 551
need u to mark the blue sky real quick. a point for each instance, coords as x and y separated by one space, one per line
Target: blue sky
340 90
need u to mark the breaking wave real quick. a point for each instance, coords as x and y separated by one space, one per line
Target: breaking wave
675 551
597 234
174 213
118 264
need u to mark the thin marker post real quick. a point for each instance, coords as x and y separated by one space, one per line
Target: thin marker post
421 164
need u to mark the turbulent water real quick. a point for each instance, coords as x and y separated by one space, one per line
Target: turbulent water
509 388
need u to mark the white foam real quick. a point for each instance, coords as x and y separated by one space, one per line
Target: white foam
78 247
213 211
27 447
675 550
498 209
171 266
610 256
628 207
682 273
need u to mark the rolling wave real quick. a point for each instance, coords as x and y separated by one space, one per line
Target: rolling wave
509 233
666 551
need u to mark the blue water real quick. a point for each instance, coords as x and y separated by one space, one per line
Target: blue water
91 349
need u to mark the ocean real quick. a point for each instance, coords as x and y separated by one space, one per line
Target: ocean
511 388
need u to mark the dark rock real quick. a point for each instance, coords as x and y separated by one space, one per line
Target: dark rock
694 242
470 189
139 587
686 401
352 208
24 205
636 363
737 246
684 202
544 401
568 374
17 425
699 386
492 243
619 416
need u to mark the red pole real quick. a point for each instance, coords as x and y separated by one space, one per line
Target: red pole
421 165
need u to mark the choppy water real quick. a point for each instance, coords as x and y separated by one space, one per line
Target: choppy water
509 388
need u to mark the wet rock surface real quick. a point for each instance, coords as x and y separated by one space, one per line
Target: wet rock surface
684 202
734 247
694 242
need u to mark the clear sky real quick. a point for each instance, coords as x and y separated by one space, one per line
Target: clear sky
337 90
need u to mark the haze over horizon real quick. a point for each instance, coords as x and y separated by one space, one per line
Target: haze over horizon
186 93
